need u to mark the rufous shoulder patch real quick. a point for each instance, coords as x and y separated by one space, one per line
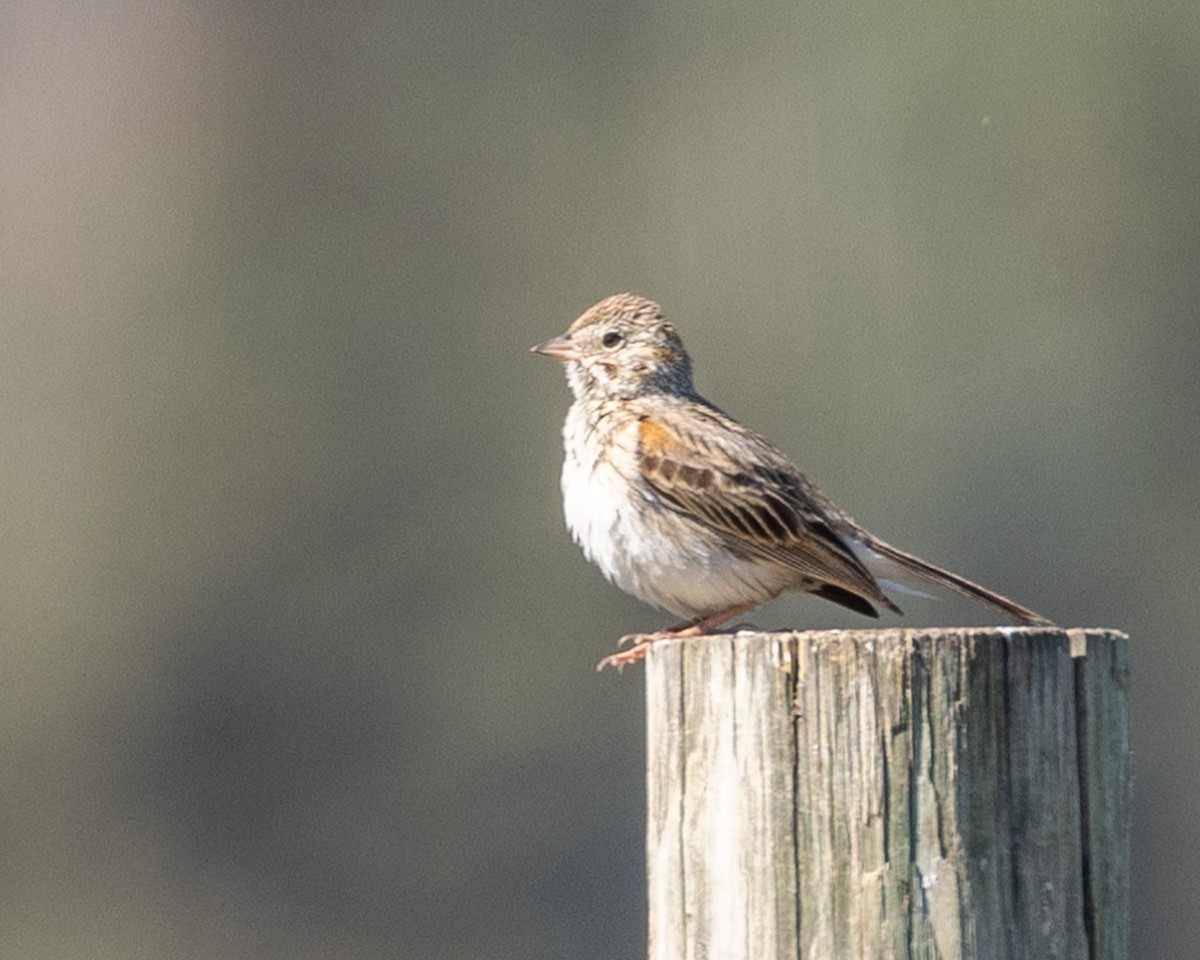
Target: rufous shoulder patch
655 439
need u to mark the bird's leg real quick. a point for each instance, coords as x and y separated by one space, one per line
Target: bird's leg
696 627
683 628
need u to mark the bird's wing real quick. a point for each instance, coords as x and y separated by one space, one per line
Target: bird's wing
717 473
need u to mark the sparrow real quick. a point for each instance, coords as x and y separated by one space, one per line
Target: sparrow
680 505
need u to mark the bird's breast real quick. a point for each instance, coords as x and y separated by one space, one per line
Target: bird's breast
641 544
599 486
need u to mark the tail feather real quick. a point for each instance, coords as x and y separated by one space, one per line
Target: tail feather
932 574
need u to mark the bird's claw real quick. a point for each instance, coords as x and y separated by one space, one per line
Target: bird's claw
641 645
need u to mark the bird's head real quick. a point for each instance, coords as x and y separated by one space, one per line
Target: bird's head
622 347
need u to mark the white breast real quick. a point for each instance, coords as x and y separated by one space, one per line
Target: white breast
597 502
640 544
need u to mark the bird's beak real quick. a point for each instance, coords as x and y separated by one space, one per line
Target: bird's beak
560 348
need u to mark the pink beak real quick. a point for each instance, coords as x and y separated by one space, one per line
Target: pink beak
560 348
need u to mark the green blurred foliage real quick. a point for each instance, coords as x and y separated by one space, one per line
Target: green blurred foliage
298 656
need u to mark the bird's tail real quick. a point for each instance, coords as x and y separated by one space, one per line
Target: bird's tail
931 574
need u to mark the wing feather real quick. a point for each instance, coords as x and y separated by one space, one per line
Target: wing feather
736 483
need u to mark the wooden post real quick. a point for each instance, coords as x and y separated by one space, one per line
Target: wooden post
945 794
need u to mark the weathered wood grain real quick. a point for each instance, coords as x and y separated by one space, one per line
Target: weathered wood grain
896 793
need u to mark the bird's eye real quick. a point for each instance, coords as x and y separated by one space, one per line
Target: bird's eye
611 339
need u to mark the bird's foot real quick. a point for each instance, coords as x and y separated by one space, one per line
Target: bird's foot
640 647
639 643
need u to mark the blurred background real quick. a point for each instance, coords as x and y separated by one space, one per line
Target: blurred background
298 657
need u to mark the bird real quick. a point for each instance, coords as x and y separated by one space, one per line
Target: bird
682 506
